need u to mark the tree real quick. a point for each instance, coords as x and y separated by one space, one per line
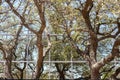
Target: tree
8 51
40 8
92 25
90 28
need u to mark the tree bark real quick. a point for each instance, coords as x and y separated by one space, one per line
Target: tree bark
62 76
40 57
41 8
95 75
61 72
8 63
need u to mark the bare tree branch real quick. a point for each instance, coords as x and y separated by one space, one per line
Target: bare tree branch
115 53
20 17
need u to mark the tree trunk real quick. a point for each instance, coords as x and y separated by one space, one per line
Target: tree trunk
62 76
8 63
21 74
60 71
95 75
40 57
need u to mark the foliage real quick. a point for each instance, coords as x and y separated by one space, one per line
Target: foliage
78 30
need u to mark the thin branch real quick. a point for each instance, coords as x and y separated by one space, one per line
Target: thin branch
49 43
115 53
19 4
107 33
25 8
40 6
107 36
2 49
85 12
88 5
20 17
